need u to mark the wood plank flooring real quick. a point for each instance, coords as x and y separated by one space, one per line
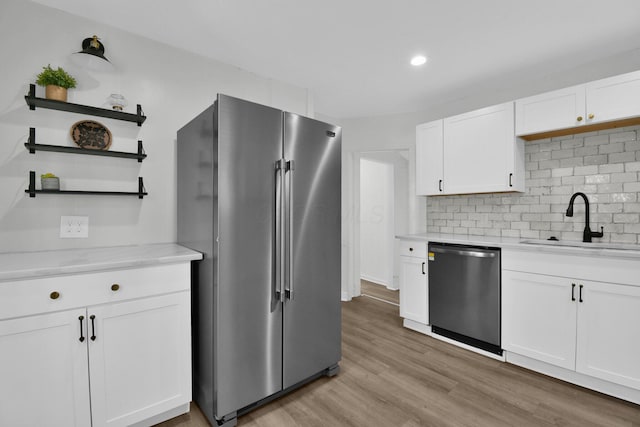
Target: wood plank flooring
391 376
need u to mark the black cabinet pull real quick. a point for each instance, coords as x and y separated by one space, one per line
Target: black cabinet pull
423 268
81 319
440 185
580 294
93 328
573 289
510 183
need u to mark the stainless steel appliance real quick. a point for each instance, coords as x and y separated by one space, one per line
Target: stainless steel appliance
464 294
259 195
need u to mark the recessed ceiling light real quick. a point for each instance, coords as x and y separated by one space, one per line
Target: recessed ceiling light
418 60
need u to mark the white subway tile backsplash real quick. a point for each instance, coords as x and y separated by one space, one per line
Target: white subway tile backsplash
595 160
605 165
622 136
627 156
596 140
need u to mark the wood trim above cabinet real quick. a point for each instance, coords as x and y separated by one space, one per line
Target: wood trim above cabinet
582 129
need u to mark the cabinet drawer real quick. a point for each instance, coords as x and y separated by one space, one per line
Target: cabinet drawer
413 249
34 296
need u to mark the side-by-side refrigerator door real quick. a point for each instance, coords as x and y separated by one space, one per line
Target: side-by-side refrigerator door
312 318
248 317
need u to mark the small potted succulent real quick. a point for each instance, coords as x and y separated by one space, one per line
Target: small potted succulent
56 82
49 181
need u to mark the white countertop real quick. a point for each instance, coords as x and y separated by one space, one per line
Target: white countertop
29 265
592 249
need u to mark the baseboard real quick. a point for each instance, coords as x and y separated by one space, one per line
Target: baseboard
376 281
602 386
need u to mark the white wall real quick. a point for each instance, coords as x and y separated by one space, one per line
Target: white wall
376 222
171 85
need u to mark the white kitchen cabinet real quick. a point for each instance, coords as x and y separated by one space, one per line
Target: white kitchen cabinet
560 109
585 326
429 158
44 371
613 98
140 361
580 108
608 342
414 282
119 339
539 317
480 154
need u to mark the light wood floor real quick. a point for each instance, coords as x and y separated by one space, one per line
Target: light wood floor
374 290
392 376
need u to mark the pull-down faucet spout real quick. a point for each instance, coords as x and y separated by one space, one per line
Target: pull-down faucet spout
587 234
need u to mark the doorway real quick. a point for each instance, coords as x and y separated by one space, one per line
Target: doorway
384 213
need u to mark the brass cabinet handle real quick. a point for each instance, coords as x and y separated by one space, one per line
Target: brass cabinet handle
115 287
579 118
591 116
54 295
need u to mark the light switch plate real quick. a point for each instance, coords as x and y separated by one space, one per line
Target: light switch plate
74 227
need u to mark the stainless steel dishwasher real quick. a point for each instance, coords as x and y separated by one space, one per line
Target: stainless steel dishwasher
464 294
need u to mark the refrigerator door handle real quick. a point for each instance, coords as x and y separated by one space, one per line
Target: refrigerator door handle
290 166
278 256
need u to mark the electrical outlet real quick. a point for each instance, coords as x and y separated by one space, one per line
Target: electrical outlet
74 227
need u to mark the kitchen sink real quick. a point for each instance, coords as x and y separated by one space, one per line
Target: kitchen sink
590 245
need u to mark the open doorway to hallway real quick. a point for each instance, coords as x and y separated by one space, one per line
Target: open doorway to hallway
384 213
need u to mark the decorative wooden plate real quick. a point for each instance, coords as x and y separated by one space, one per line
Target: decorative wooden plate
91 134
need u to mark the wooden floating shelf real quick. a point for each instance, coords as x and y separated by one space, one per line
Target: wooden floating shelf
32 146
33 101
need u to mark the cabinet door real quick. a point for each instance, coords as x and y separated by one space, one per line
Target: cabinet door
613 98
539 317
140 358
429 172
479 151
44 372
549 111
608 345
413 289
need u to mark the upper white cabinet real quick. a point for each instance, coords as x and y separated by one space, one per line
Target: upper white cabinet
549 111
614 98
429 158
475 152
581 108
481 153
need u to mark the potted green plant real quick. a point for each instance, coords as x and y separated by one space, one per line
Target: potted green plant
49 181
56 82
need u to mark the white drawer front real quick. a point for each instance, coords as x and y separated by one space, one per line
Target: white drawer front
413 249
34 296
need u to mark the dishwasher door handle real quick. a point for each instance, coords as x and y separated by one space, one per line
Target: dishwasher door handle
463 252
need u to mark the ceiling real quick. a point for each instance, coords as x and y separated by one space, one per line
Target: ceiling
354 54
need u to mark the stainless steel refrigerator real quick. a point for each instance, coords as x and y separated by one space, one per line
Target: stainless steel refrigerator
259 195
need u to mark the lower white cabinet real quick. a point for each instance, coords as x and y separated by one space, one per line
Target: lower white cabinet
45 371
414 282
121 358
590 327
608 342
140 361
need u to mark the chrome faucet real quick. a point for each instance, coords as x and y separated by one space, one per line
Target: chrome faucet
587 234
